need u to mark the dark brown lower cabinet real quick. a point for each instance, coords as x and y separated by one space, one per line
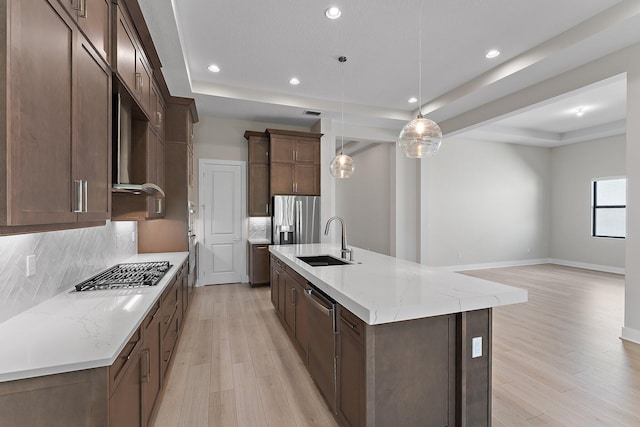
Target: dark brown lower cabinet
350 370
259 273
276 270
125 394
125 404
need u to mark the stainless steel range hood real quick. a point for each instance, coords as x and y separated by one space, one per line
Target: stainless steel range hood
122 153
147 189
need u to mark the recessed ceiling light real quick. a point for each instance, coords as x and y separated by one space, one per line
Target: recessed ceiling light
492 53
580 112
294 81
213 68
333 12
413 100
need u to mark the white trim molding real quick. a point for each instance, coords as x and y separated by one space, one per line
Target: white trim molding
631 335
518 263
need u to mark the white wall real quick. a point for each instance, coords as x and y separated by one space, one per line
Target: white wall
486 202
573 167
363 200
223 139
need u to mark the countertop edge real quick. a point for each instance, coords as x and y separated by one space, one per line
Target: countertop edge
377 316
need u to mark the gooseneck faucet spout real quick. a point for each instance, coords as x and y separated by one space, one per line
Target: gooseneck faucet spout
343 251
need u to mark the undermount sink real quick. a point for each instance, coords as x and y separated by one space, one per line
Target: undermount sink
322 260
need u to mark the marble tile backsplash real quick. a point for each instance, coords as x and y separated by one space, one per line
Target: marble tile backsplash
62 259
260 228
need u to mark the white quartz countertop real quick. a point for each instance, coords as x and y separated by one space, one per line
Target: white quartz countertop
78 330
382 289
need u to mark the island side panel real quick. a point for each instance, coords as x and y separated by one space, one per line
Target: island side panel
474 373
411 378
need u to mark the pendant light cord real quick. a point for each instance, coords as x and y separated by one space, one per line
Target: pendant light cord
342 60
420 60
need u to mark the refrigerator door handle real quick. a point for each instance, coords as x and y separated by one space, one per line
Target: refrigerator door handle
298 219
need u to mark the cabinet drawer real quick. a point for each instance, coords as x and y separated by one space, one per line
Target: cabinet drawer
124 359
153 313
350 323
169 343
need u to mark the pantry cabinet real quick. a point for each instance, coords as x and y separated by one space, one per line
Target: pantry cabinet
52 132
258 172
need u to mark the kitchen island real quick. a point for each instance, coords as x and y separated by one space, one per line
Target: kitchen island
412 343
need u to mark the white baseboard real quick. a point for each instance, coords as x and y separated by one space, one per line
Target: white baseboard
587 266
500 264
567 263
632 335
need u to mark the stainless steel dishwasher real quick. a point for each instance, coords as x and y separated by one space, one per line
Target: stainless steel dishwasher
322 343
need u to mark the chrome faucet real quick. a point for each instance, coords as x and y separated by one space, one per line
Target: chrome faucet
344 251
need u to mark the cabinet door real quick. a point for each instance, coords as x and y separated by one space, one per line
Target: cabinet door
281 178
125 405
307 179
259 200
43 44
126 52
302 325
275 281
307 152
93 19
259 264
92 148
351 371
290 302
282 150
151 365
143 86
258 150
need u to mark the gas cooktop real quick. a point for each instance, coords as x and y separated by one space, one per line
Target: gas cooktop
133 275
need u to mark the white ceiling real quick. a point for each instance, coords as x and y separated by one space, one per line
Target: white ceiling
260 45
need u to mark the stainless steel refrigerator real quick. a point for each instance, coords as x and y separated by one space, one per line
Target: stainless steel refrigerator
296 220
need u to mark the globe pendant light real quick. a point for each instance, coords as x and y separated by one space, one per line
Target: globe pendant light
420 137
342 165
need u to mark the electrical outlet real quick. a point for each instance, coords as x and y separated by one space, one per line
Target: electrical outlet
30 265
476 347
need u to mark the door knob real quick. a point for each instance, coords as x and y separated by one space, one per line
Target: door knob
236 239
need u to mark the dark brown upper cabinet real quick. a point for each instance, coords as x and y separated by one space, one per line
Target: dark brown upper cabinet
57 125
294 163
259 203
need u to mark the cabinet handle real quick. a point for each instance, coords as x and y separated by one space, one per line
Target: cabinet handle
158 206
158 118
85 198
293 296
83 9
144 375
267 207
261 247
138 87
169 356
79 194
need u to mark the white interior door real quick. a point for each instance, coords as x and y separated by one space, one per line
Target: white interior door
221 200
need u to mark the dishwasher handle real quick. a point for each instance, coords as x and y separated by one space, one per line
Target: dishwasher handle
319 303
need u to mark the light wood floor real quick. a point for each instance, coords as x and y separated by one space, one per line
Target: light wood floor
557 360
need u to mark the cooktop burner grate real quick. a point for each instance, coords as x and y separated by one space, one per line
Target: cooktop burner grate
132 275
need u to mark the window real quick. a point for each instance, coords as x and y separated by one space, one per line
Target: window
609 207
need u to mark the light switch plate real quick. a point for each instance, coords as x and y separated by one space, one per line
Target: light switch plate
476 347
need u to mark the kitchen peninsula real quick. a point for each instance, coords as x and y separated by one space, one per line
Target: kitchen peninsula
413 343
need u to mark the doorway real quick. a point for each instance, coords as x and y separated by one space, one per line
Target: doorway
222 195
